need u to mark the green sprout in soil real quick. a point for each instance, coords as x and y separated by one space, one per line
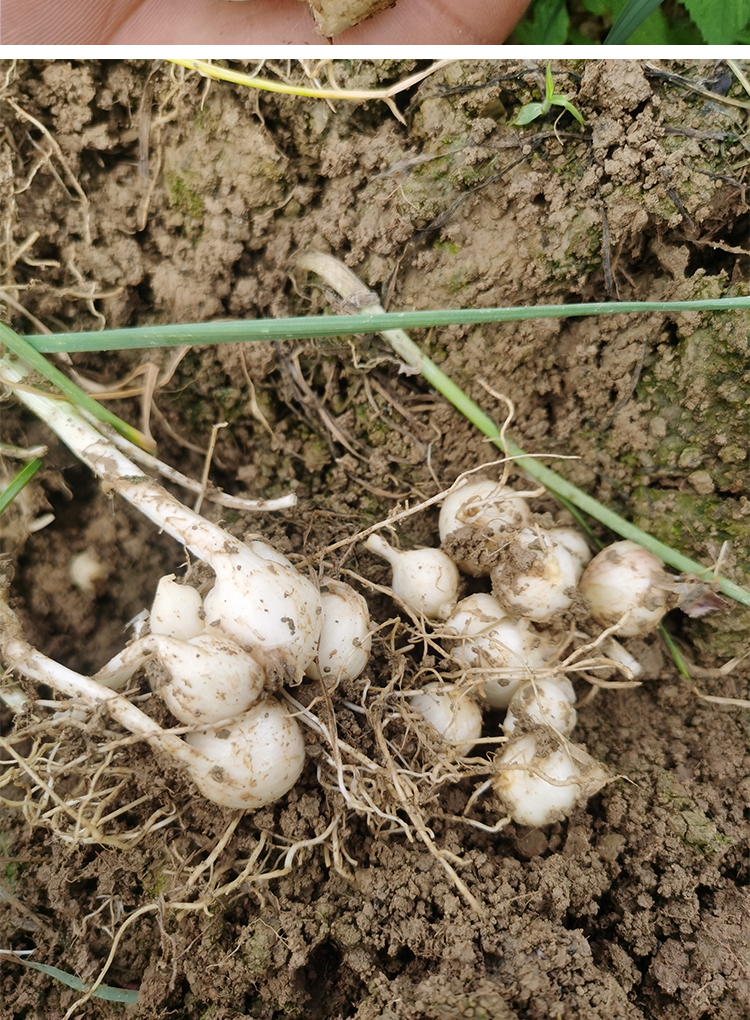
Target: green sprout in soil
217 72
531 111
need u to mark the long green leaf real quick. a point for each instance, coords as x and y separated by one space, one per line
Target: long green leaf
630 18
107 992
22 479
308 327
27 352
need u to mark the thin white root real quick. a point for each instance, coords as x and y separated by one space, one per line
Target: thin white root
16 650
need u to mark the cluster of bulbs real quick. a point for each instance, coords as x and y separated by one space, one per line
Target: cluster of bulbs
263 618
508 636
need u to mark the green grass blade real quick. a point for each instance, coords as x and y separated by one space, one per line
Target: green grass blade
22 479
107 992
674 651
316 326
28 353
630 18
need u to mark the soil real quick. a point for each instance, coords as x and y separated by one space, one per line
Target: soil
637 905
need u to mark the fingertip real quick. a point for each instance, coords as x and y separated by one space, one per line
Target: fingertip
441 22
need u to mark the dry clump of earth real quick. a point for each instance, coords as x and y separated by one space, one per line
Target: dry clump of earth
637 906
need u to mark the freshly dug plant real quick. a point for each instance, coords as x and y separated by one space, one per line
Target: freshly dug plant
452 713
541 777
334 16
626 579
259 602
425 579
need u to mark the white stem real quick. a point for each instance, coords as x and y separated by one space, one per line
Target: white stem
119 473
192 485
378 545
116 673
16 650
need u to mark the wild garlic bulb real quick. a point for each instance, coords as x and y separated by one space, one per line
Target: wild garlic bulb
208 678
205 679
547 702
540 778
575 542
264 604
452 713
253 762
176 610
536 576
480 635
624 579
486 506
346 639
426 579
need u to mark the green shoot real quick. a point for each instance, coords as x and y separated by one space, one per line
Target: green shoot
22 479
30 355
674 651
308 327
219 73
531 111
108 992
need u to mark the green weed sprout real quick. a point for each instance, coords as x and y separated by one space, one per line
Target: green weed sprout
531 111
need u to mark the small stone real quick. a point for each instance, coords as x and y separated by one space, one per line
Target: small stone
702 482
732 454
658 428
691 457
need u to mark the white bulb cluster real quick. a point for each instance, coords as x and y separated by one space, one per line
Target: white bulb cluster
213 658
506 641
